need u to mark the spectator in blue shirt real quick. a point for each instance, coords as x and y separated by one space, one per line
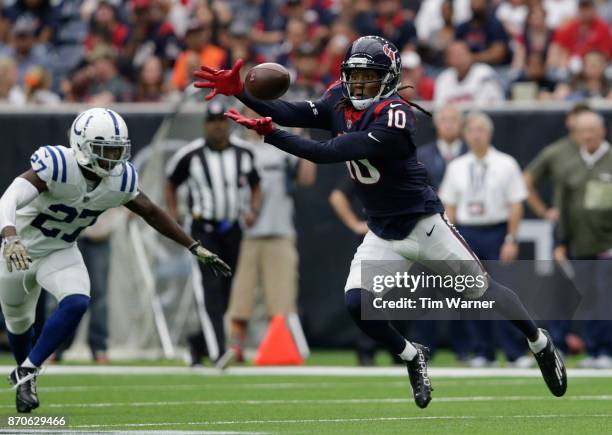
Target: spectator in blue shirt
485 35
24 49
388 21
39 11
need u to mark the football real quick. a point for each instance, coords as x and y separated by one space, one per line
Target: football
267 81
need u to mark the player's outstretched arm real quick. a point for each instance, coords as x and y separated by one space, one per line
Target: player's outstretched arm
358 145
305 114
21 192
349 146
165 225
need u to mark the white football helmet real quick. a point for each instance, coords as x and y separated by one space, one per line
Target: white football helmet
99 138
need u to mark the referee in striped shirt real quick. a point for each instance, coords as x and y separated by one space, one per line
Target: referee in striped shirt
219 176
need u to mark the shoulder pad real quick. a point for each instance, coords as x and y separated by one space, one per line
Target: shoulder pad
124 179
52 163
129 179
334 85
334 90
391 104
396 114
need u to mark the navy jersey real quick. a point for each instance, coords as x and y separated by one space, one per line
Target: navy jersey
377 145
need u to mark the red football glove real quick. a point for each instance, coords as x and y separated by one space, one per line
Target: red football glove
221 81
263 126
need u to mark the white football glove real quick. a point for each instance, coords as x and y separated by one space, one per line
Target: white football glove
15 254
211 260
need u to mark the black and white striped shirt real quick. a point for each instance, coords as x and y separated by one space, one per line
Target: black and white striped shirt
216 179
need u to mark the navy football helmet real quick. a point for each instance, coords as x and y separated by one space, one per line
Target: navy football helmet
373 53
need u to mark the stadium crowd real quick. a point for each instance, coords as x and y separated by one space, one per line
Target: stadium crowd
485 51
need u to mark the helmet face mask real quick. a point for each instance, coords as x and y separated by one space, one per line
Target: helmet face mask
106 155
99 138
371 53
371 89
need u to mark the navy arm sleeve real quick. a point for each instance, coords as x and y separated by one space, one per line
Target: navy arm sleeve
305 114
350 146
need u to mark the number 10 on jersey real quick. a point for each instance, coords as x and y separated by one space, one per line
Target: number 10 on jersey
363 171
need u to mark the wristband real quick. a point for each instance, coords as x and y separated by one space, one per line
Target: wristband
193 246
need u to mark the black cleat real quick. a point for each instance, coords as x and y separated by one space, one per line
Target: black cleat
419 381
23 380
552 367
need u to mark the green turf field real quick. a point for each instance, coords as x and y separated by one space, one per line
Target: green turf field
320 404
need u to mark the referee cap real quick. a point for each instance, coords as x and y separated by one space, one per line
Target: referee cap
215 111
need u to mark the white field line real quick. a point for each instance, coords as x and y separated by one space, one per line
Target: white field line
203 387
118 432
442 372
342 420
329 401
276 402
272 386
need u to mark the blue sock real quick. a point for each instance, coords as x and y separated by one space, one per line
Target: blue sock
21 344
58 326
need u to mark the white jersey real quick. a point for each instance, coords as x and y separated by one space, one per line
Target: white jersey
480 86
55 218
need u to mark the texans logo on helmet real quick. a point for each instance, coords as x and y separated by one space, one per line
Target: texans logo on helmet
389 52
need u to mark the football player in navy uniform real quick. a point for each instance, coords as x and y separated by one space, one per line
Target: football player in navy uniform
373 128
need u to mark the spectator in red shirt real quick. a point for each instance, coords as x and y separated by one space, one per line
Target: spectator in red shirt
534 41
105 28
414 75
584 33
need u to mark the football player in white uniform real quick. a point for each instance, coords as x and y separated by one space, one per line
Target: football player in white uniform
41 215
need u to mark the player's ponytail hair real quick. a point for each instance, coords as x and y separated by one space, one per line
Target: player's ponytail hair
410 103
